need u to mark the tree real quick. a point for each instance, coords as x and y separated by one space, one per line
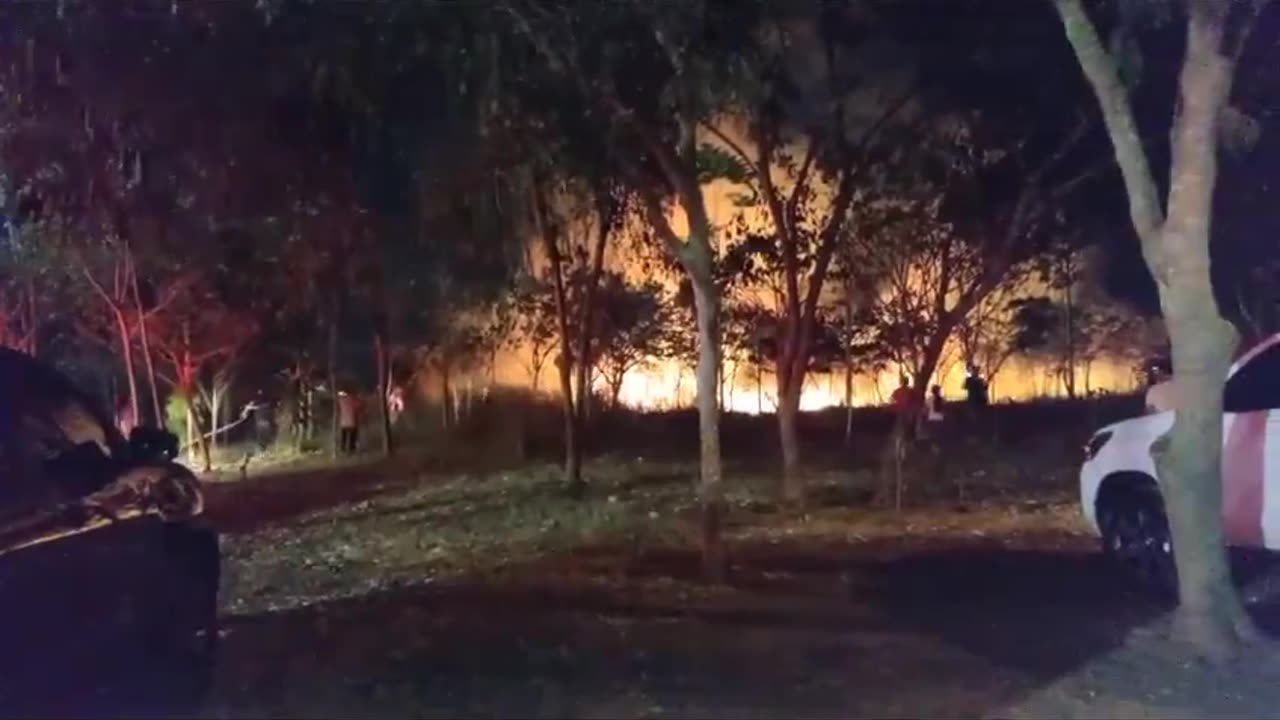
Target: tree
649 124
1052 332
811 140
574 218
90 142
986 335
534 328
631 323
1175 243
194 335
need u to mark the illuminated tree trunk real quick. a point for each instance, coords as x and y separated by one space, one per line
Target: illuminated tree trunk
1176 248
572 452
335 431
848 401
1069 374
711 491
144 338
126 350
186 386
446 391
383 371
215 411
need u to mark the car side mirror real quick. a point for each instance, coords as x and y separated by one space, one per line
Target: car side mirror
147 444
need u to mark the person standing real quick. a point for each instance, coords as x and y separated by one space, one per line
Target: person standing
348 422
935 430
904 402
933 407
263 421
975 389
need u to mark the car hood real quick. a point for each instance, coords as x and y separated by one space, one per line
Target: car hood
1140 423
166 491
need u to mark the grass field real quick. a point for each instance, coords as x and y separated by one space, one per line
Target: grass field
437 587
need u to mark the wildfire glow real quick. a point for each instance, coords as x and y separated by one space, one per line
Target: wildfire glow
667 385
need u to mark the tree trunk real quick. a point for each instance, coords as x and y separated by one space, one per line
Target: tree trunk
720 385
1189 460
572 451
335 431
536 374
711 491
1069 375
126 349
215 412
192 446
384 412
1210 614
202 442
615 392
144 338
759 388
789 391
446 395
550 242
205 454
848 401
308 393
584 358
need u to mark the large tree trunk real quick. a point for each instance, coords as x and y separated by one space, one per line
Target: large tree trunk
384 413
711 491
1210 614
1176 248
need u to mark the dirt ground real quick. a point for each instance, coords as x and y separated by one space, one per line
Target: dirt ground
998 608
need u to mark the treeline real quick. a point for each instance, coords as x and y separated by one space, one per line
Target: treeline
204 196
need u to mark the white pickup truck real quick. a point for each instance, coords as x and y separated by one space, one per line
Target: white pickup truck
1120 491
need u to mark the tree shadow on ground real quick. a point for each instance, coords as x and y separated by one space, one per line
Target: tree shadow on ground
1040 611
471 651
1036 611
869 629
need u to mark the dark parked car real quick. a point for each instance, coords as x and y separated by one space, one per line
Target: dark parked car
108 579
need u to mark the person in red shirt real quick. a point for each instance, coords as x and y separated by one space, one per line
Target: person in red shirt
348 422
904 405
